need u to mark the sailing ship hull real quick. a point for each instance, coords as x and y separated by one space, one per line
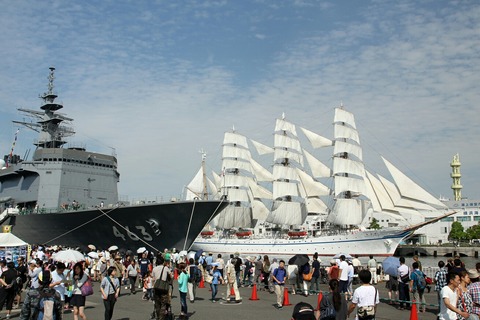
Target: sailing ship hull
156 226
363 243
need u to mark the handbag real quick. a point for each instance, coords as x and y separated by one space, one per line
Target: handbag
162 286
329 312
308 276
87 288
367 312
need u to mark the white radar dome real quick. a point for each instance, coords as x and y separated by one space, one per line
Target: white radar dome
2 164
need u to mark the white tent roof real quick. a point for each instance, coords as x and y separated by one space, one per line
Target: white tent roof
11 240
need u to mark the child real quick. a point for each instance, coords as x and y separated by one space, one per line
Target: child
148 286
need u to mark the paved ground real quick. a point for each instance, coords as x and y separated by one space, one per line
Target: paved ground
131 307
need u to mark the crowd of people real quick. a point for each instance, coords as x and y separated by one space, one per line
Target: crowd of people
45 279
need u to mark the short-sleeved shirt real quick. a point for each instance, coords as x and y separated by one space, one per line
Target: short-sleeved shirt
60 288
445 313
157 272
474 290
344 267
280 274
143 262
365 296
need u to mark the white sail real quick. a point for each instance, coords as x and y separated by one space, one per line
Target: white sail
284 125
316 205
195 187
259 210
285 173
280 155
344 132
312 188
341 146
215 192
342 115
400 203
346 212
229 163
287 213
234 194
410 189
344 184
282 189
348 166
217 180
317 141
235 152
287 142
261 148
259 192
232 180
383 199
235 139
261 174
234 216
319 170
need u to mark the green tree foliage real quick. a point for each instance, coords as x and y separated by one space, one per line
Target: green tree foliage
473 232
457 233
374 224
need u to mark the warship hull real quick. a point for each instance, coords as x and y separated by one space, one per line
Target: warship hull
155 226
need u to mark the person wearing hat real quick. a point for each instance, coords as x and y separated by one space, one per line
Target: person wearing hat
474 290
304 311
35 267
36 296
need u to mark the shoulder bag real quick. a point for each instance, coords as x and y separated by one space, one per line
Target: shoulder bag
162 286
367 312
87 288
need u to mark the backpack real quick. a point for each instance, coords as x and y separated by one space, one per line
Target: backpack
46 306
421 282
193 274
198 275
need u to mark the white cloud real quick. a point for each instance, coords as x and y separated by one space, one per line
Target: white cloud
160 87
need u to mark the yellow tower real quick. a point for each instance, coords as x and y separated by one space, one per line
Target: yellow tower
456 175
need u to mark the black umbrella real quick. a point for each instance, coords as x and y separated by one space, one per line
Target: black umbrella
299 259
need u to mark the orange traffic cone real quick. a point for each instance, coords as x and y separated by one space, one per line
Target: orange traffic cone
175 274
320 296
254 293
202 284
413 312
286 301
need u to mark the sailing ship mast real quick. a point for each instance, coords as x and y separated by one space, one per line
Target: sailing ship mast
348 172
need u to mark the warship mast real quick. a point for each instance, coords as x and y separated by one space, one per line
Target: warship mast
48 123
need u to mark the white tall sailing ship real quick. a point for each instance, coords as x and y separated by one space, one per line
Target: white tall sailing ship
294 217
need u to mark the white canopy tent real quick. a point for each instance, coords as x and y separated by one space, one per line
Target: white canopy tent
12 247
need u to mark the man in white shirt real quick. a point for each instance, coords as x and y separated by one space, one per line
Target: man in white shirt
343 271
403 284
372 267
448 305
58 280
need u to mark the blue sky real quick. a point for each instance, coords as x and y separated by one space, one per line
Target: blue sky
159 80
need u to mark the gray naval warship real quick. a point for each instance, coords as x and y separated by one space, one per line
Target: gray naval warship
68 195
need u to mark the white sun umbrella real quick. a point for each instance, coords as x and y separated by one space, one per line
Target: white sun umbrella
113 248
68 256
183 253
93 255
141 250
91 246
